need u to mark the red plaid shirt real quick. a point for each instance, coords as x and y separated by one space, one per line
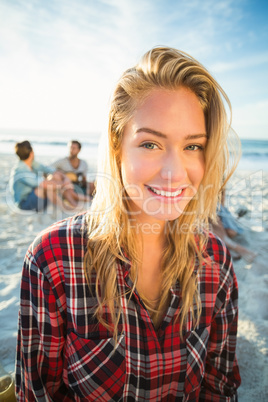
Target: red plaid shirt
64 354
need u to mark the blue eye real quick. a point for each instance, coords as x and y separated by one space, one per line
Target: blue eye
149 145
194 147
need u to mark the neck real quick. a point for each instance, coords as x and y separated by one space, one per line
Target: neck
151 241
28 162
73 158
151 234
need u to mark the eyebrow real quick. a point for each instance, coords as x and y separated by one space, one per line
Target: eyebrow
159 134
150 131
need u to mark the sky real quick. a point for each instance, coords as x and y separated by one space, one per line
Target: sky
60 59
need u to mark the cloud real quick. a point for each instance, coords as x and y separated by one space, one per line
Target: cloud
253 60
251 120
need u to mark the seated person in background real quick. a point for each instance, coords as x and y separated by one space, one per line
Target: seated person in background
75 168
29 188
228 221
232 245
227 228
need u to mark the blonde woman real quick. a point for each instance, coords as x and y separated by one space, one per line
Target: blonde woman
135 300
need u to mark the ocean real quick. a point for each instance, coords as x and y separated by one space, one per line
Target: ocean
254 155
254 151
51 143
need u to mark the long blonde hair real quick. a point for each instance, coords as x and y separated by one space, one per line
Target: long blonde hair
109 228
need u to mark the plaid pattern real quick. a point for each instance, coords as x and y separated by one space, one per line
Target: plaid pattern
64 354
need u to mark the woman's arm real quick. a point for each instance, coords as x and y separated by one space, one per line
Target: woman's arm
41 337
222 377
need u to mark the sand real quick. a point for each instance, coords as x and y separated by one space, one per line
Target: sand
247 190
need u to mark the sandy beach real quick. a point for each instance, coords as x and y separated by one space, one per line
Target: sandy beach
248 189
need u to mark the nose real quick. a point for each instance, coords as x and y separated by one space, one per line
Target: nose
174 168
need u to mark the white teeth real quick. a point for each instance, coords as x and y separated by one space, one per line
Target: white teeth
166 193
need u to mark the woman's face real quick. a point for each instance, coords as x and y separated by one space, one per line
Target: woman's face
162 155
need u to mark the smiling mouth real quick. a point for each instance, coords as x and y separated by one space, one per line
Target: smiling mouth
166 193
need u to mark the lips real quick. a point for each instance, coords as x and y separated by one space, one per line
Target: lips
163 193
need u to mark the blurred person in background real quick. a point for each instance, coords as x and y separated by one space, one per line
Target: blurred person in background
227 228
75 168
33 184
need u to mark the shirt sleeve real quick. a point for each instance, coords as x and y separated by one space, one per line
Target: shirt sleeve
41 337
222 378
42 168
28 178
